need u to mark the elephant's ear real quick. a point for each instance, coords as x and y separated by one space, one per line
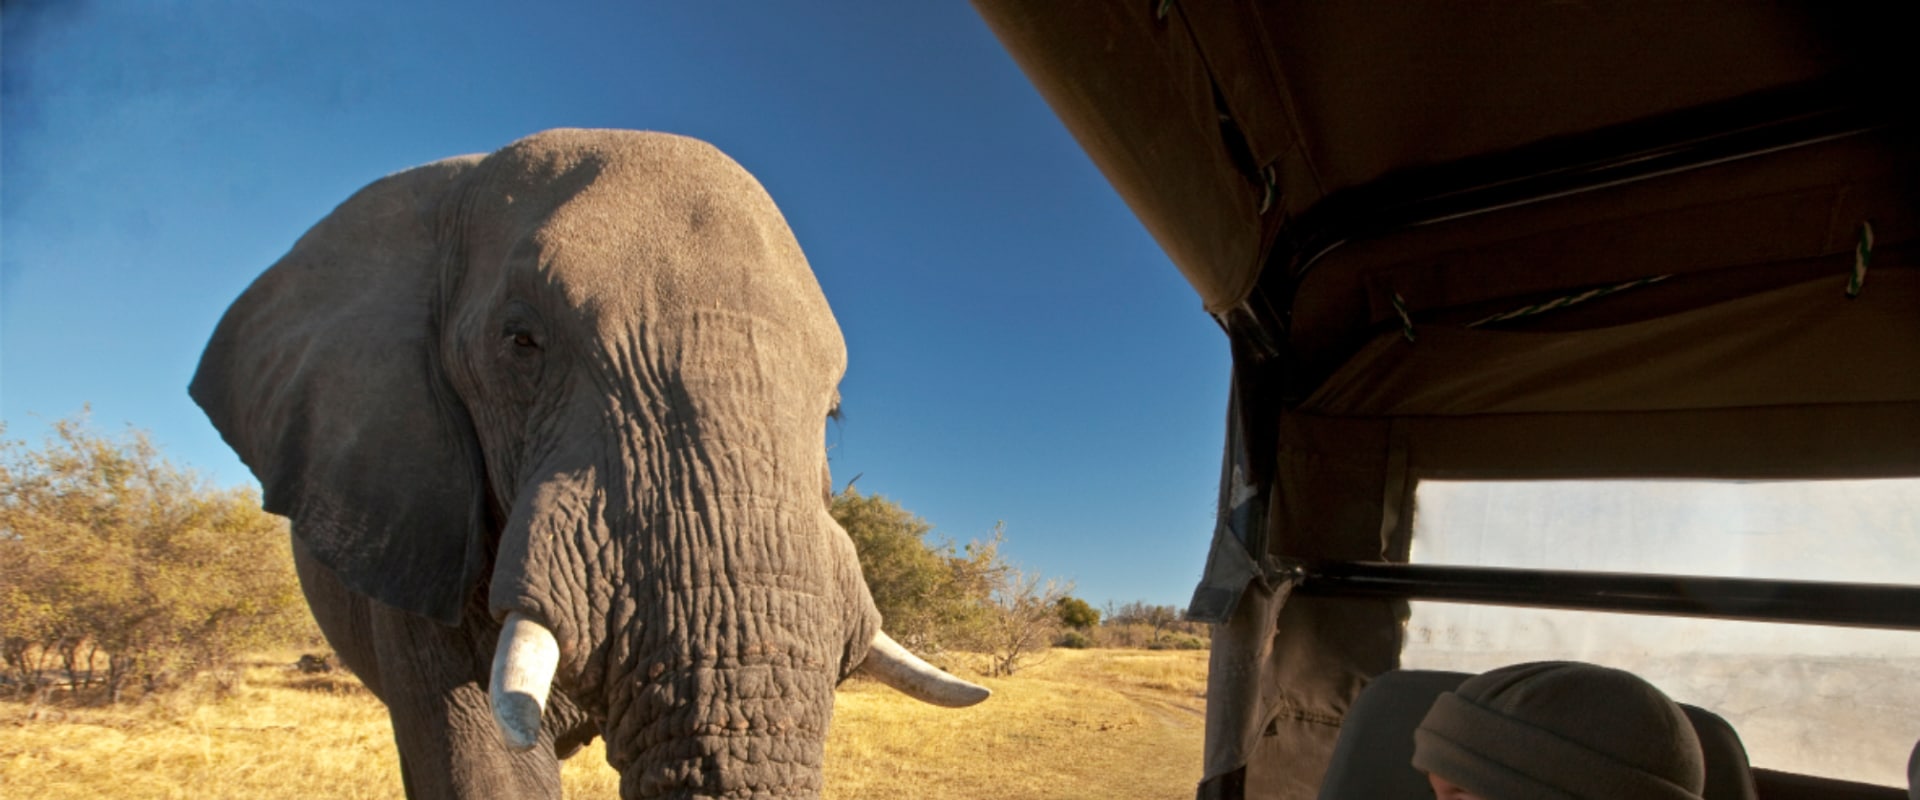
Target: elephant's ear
324 377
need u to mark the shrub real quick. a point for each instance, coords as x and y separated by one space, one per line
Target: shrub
110 553
1076 613
1178 641
1074 640
1141 624
930 596
933 596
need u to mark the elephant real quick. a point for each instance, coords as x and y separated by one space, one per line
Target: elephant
549 427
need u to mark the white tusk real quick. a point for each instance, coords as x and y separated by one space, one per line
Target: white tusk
892 665
523 667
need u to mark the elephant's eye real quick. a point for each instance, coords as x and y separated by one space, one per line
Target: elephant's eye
521 336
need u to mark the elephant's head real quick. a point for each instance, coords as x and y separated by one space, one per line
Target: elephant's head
589 373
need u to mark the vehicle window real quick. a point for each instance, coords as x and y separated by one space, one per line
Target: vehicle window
1836 702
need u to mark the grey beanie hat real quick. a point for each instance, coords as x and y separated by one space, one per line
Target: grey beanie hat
1561 730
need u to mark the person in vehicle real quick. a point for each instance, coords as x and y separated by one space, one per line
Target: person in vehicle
1558 729
1913 773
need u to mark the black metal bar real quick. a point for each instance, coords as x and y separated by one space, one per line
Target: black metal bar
1867 605
1768 122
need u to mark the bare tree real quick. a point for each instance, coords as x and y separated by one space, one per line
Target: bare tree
1024 618
1126 624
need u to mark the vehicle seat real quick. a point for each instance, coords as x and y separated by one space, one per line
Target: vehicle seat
1373 758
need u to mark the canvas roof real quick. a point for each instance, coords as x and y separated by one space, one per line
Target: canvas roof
1193 114
1480 240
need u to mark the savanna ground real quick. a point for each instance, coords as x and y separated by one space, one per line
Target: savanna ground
1081 723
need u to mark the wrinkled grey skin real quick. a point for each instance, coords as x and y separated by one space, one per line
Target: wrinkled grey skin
584 379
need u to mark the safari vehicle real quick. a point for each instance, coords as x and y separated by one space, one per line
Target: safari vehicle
1472 243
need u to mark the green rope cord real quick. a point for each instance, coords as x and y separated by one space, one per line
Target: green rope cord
1568 300
1862 253
1406 320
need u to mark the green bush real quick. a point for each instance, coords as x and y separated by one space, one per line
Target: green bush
1178 641
1076 613
1074 640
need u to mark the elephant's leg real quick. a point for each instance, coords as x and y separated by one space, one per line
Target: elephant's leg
442 722
344 617
347 619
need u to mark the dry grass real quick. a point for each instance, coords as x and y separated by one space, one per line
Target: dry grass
1090 723
1084 723
280 734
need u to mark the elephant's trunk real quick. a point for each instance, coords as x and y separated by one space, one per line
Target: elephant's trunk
523 668
752 726
740 706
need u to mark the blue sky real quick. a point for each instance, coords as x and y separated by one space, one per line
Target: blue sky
1020 349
